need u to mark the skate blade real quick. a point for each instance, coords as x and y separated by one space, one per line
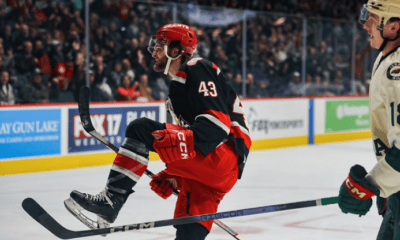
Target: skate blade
75 209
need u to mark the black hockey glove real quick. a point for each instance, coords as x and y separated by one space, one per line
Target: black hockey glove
356 192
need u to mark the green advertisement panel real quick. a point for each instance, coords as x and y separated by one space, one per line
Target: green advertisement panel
345 115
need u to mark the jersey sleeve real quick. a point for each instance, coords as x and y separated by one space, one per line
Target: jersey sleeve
386 173
206 90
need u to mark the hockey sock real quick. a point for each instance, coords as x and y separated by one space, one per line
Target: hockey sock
129 165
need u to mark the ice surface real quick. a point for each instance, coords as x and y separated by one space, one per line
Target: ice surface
270 177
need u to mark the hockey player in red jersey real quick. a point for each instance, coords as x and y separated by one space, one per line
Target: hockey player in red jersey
204 155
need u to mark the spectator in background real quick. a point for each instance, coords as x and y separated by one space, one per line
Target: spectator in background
116 75
8 60
312 62
316 88
25 64
251 89
144 89
338 87
203 44
25 61
127 68
220 58
296 87
8 37
97 93
79 75
101 76
309 84
64 72
1 64
57 55
114 35
35 92
127 91
133 28
53 83
276 43
360 88
99 70
256 69
72 43
140 64
323 55
6 90
229 77
341 65
43 60
22 37
263 90
236 84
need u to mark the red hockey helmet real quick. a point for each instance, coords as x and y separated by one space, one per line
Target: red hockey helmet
176 32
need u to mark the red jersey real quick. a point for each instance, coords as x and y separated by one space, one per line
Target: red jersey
202 99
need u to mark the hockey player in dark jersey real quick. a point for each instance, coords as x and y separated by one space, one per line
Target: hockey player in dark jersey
204 155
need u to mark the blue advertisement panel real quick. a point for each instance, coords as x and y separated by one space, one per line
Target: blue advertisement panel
27 133
108 122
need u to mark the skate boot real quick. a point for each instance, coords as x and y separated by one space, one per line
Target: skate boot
105 204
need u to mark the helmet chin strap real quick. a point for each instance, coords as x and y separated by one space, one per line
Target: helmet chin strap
169 59
385 39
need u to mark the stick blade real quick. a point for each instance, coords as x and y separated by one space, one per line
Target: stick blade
83 105
43 218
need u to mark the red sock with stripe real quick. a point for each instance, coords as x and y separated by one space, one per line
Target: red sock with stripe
128 167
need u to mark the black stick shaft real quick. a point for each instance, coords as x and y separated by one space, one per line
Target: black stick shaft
42 217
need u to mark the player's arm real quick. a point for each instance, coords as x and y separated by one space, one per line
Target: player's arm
383 180
386 173
194 90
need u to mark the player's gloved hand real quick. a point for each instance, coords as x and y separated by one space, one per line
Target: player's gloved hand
172 145
381 203
164 184
356 192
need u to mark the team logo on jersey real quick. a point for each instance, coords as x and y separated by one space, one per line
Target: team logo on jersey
393 72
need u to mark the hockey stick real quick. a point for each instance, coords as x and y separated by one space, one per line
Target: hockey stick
43 218
84 113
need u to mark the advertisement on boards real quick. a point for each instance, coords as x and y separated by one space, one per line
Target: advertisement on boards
109 122
276 118
347 115
26 133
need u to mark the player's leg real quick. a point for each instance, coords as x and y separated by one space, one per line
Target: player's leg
396 215
196 198
390 227
193 231
386 229
128 167
218 169
204 185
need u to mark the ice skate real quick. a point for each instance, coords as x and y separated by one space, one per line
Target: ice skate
105 205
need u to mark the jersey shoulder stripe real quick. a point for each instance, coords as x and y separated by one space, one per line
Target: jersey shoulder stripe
198 66
216 68
218 118
240 132
180 77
